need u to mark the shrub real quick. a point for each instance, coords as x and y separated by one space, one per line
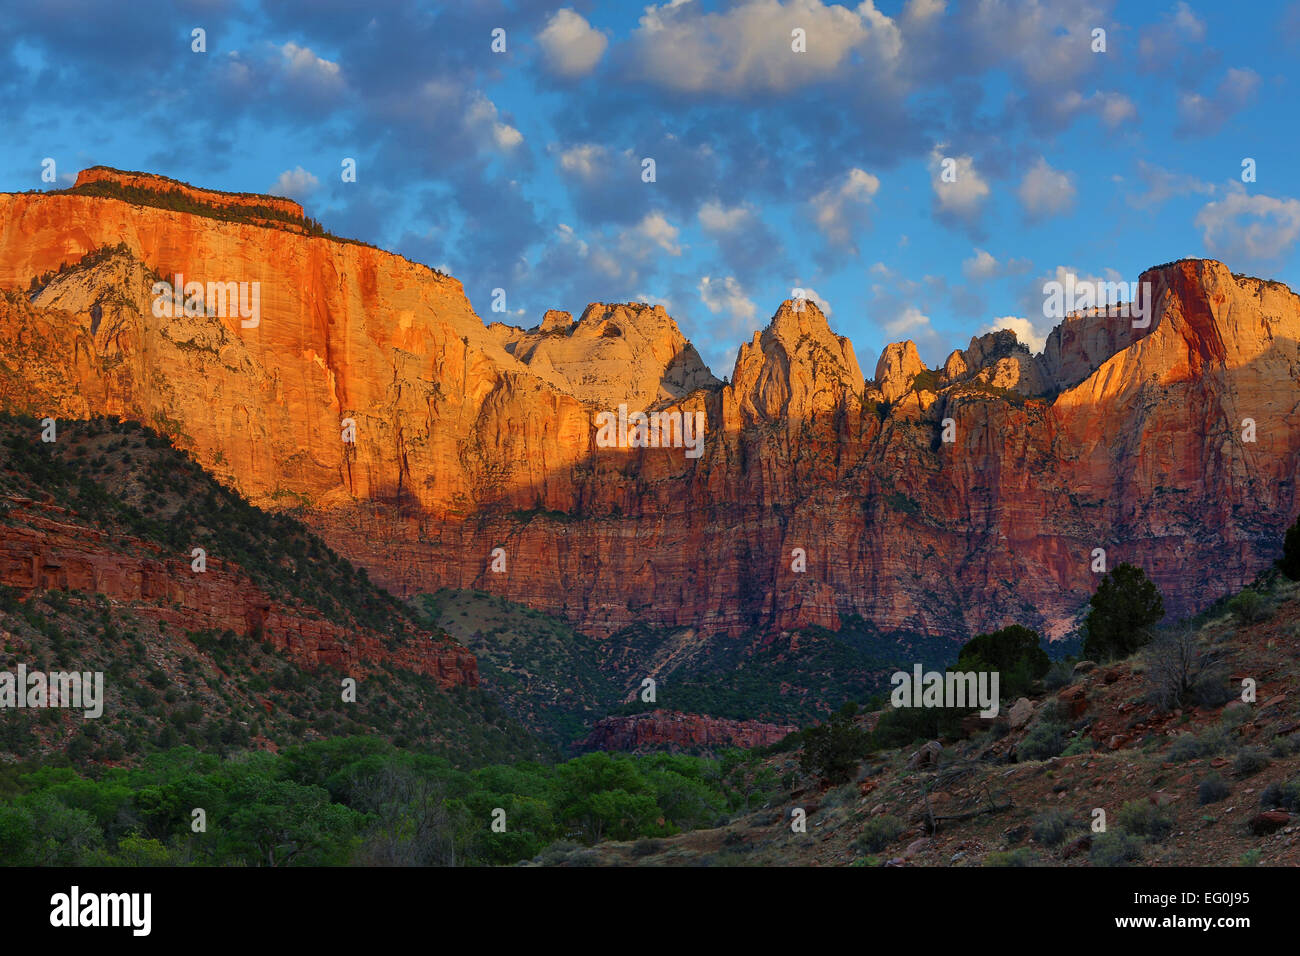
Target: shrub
1180 669
1143 818
1249 761
879 833
1248 606
1045 739
1189 747
1281 796
1059 675
1051 827
832 750
1212 790
1115 848
1285 746
1083 744
1122 613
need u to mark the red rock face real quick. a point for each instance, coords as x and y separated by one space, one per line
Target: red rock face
470 439
666 730
44 550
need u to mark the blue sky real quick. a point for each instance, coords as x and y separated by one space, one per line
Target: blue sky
775 169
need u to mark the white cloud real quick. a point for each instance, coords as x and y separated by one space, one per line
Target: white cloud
921 11
1252 227
659 231
1115 108
982 265
587 161
1025 331
306 67
481 116
570 45
1203 115
747 48
911 322
965 195
726 296
1045 191
822 304
295 183
716 218
838 210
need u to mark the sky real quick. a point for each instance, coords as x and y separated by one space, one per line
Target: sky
795 144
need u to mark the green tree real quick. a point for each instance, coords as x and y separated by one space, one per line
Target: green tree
1014 653
1289 564
1122 614
833 750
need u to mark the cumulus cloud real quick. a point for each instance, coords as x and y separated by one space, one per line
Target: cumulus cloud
724 295
585 160
295 183
1026 332
481 115
983 265
571 47
747 48
841 209
1251 228
1045 191
715 218
811 295
963 197
1202 115
911 322
658 231
304 66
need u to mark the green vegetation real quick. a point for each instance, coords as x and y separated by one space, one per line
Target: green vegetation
1115 848
1013 652
348 800
1123 613
833 750
879 832
1289 563
549 676
1248 606
1143 818
89 260
217 690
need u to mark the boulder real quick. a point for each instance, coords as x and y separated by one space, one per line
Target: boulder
1020 713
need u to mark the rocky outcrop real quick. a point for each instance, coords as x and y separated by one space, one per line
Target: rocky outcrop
471 438
666 730
899 364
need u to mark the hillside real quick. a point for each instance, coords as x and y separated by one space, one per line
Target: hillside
97 536
1211 781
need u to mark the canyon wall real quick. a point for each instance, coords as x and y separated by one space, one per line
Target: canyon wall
470 438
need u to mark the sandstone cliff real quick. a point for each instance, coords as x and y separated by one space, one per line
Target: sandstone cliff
470 438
